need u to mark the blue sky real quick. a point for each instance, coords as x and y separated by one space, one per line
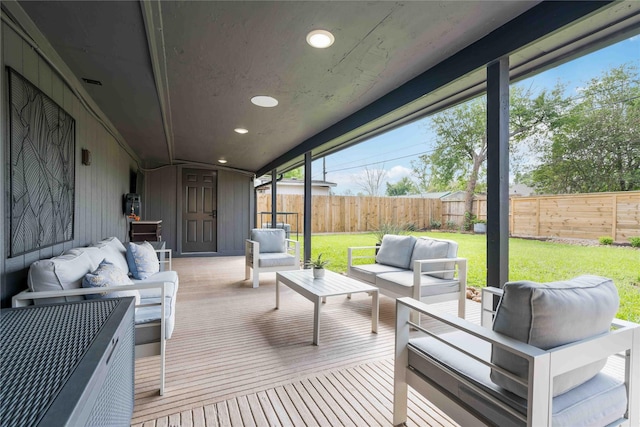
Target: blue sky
394 150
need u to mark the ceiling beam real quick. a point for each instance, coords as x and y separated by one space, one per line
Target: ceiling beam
537 22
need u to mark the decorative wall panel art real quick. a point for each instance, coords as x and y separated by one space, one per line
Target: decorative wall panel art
42 156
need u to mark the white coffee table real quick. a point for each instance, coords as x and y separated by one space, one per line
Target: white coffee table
317 290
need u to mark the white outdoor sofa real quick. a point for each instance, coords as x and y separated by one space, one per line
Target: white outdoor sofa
422 268
267 251
59 280
540 365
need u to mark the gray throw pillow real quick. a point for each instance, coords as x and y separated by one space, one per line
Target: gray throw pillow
548 315
396 250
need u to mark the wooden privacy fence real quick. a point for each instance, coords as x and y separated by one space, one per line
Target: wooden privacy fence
584 216
336 214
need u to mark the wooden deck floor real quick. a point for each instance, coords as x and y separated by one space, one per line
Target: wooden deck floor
234 360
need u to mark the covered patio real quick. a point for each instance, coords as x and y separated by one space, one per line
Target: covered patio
155 90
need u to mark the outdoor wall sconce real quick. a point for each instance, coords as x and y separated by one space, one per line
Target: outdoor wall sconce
86 157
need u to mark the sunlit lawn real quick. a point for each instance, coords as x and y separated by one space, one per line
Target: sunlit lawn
528 260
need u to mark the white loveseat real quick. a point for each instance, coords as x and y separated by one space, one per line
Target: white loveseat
59 279
422 268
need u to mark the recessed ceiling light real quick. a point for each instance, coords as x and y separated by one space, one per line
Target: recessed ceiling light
241 130
320 38
264 101
223 161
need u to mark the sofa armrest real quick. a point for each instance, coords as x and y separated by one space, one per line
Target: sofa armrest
487 310
459 264
167 257
351 256
23 298
251 252
293 248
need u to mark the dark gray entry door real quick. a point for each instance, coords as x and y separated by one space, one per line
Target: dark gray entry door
199 210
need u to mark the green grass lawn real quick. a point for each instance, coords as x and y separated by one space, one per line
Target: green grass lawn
528 260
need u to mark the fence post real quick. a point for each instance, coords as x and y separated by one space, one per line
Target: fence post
614 220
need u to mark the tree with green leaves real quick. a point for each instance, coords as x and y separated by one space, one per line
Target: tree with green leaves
401 188
460 152
297 173
595 145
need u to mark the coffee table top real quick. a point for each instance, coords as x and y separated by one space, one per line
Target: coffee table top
330 285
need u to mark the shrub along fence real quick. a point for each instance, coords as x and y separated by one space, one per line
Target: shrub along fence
585 216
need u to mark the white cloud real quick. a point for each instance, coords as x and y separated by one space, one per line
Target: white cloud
396 173
348 181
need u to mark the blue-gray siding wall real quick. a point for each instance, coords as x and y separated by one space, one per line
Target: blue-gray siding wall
99 187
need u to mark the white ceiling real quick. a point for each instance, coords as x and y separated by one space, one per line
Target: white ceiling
177 76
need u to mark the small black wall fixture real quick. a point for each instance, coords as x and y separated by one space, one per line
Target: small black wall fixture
86 157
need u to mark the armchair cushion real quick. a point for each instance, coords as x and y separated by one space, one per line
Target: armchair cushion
107 275
396 250
142 260
271 240
548 315
433 249
276 260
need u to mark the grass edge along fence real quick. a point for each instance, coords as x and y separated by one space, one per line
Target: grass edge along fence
581 216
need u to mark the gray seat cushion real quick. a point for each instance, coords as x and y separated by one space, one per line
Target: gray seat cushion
368 272
152 314
548 315
401 282
276 260
396 250
599 401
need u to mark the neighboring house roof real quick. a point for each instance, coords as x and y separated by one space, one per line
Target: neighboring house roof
297 182
433 195
455 195
520 190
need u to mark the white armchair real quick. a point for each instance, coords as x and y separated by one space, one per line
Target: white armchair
541 365
269 251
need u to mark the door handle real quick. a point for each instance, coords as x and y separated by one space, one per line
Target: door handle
214 214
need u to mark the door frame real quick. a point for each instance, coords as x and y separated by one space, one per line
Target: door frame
180 198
